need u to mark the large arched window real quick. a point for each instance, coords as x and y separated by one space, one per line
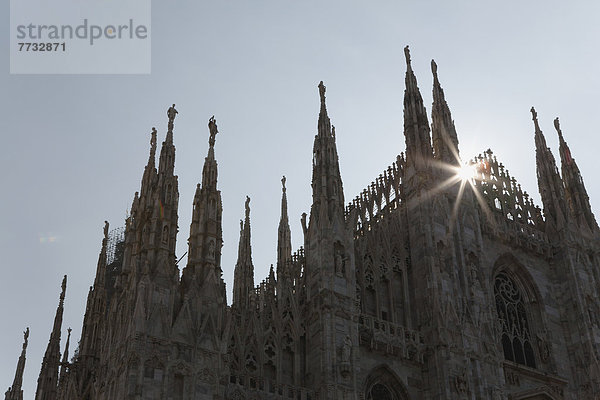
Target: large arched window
383 384
379 392
512 313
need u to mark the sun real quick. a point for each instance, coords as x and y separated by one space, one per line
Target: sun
466 172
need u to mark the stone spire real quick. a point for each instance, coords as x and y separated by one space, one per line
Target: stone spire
328 192
549 183
167 152
64 366
206 232
91 332
15 392
284 236
445 140
48 379
416 124
243 282
150 170
576 193
100 279
209 172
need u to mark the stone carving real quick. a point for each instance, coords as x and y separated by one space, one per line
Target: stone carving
172 112
212 126
543 349
461 384
211 249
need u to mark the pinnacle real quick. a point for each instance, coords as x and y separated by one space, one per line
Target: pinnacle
535 120
407 56
434 72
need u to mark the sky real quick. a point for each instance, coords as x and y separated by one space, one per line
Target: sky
74 146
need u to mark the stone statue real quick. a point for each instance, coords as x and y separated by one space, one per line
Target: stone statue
247 207
25 337
533 113
434 68
407 54
322 89
283 183
557 124
106 225
347 349
212 127
211 249
339 264
172 112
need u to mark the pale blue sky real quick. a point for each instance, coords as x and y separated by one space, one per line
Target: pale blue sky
74 147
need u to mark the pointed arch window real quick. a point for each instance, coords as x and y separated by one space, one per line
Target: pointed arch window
512 313
382 384
380 392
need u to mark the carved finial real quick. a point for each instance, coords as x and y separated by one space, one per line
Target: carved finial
106 225
171 113
407 55
247 207
434 70
25 337
212 127
283 184
153 137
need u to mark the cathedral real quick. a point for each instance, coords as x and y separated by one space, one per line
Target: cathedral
440 280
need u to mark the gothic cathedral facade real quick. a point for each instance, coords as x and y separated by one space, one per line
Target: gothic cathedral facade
439 281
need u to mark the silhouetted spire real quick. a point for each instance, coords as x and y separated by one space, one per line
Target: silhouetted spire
549 183
576 193
328 193
167 152
209 172
62 378
48 379
445 140
416 124
324 125
243 283
101 268
15 392
150 170
206 232
284 236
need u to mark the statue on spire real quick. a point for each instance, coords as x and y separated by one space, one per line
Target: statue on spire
322 89
407 55
25 338
64 288
283 184
212 127
557 126
106 225
172 112
153 137
247 207
535 120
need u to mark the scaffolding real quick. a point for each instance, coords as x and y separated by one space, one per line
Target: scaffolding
115 237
